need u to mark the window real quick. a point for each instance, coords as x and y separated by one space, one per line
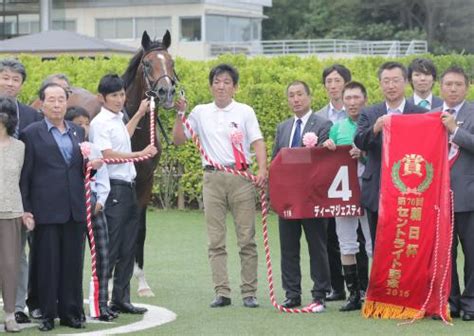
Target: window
127 28
155 27
69 25
114 28
221 28
190 29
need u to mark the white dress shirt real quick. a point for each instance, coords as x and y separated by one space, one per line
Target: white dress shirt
397 110
304 121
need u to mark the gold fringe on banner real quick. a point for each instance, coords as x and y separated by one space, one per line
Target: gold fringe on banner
380 310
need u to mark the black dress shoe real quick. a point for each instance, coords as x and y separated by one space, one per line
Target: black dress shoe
220 301
36 314
75 323
250 302
46 325
105 317
336 296
21 317
291 302
111 312
468 316
127 308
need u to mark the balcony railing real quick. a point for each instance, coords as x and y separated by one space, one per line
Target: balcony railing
323 46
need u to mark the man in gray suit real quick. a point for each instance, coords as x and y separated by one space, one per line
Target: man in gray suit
458 118
393 80
289 134
422 77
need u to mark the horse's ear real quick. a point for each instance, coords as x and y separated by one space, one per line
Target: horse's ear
166 41
146 41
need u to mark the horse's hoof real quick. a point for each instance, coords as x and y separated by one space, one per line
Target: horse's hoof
145 292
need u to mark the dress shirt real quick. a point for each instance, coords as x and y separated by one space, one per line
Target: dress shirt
107 131
417 99
63 140
398 110
304 120
336 115
456 109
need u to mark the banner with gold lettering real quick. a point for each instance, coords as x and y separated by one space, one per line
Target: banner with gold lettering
411 270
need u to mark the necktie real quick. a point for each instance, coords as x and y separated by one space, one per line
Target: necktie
424 103
451 111
295 142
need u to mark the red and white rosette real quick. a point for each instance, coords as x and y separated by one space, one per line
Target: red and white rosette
236 139
310 139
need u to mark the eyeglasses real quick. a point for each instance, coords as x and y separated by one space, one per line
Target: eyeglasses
394 81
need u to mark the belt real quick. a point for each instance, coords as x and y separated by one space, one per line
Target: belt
123 183
212 168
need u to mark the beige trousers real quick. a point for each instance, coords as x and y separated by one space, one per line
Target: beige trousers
221 191
10 243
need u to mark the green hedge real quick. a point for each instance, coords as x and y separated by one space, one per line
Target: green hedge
262 86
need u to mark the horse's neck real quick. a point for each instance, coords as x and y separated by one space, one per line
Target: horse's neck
134 94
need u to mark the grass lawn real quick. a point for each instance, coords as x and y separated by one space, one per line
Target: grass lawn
178 272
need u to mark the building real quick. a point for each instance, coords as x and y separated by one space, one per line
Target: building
196 26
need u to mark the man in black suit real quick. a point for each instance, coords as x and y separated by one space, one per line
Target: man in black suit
422 77
458 118
289 134
52 186
393 80
12 77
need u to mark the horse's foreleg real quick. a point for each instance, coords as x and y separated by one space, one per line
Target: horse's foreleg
143 287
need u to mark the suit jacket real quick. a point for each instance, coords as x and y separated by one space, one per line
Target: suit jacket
324 112
366 140
51 189
28 115
462 171
435 102
319 125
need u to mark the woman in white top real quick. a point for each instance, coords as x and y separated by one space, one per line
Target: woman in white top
12 153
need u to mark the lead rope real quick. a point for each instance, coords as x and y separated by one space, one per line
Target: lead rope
264 205
94 284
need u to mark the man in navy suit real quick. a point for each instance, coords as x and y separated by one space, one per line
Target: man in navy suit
12 77
52 186
289 134
393 80
422 77
458 118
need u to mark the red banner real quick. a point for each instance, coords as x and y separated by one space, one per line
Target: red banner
314 182
411 270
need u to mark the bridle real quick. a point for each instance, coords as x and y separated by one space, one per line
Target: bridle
153 91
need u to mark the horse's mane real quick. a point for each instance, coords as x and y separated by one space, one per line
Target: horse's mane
129 75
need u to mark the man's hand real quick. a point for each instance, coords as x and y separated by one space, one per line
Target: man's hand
448 121
144 107
98 208
261 178
180 105
355 152
329 144
28 221
149 150
379 124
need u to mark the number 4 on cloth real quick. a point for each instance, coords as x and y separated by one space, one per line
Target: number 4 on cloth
340 185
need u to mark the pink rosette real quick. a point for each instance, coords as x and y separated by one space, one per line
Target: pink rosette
86 149
310 139
236 137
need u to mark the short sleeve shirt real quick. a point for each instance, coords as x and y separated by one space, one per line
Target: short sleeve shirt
107 131
214 125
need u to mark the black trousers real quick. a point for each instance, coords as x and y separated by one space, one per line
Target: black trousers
463 233
372 217
58 252
121 211
316 236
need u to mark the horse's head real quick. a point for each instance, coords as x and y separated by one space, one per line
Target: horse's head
158 70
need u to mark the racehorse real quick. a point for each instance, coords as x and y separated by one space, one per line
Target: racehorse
151 74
